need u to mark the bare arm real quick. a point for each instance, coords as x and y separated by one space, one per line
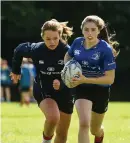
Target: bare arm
67 58
108 78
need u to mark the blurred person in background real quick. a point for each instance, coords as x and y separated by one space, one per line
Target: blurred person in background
5 80
25 83
32 70
96 53
53 97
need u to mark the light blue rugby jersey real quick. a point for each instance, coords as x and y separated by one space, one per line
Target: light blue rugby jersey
94 61
25 81
5 78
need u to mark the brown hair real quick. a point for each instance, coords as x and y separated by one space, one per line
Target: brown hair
64 31
103 31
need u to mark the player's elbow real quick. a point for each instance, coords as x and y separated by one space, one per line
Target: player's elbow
110 76
110 80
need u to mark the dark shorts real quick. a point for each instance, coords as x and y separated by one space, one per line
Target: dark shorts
24 89
99 96
64 97
5 85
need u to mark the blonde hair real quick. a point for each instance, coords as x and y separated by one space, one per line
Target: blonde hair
103 31
64 31
93 18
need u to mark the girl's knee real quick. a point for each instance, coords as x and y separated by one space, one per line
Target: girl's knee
96 131
54 119
84 124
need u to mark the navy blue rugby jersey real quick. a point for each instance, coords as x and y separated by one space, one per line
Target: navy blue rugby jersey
94 61
48 63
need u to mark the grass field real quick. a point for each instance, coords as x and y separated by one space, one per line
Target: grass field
24 125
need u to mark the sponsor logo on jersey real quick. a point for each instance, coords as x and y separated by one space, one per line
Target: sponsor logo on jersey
50 73
93 68
41 62
85 63
96 56
77 52
51 69
61 62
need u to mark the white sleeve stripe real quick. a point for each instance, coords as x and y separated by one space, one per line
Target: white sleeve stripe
111 63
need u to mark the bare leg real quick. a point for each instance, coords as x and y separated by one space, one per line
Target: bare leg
50 109
62 128
8 94
96 124
2 94
83 108
24 97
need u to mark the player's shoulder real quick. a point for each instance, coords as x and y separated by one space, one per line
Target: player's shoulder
29 46
105 47
63 46
77 42
38 45
66 47
79 39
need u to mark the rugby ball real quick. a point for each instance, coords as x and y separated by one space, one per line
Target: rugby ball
70 70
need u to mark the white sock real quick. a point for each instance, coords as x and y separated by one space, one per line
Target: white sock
47 139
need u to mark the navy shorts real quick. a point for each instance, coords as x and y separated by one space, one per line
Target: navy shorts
99 95
64 97
5 85
24 89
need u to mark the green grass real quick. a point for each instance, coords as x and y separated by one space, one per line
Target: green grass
24 125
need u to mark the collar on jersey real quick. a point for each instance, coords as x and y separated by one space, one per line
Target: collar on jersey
93 47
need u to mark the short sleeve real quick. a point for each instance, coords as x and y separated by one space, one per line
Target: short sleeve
109 60
71 49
